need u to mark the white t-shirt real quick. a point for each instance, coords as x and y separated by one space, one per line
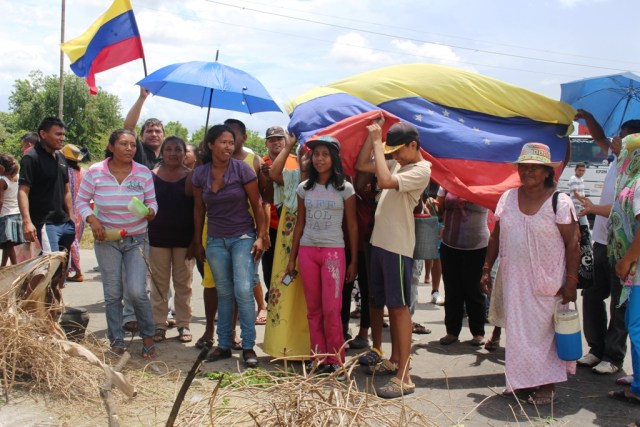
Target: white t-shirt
599 231
10 199
576 185
325 210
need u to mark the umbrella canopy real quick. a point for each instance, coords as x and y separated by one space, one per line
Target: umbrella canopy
611 99
211 85
470 126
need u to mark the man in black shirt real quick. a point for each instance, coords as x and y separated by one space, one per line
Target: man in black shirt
44 197
152 134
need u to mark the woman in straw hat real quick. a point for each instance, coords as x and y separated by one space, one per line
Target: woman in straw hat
537 241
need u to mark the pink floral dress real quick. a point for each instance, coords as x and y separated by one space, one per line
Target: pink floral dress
532 264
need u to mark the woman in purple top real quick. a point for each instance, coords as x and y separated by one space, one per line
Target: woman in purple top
224 188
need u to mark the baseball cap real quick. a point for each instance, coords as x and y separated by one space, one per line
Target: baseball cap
327 140
400 134
275 132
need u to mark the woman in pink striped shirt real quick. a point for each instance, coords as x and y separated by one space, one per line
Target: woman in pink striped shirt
120 235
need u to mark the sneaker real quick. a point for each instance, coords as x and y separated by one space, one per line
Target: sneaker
588 360
370 358
395 388
626 380
436 298
335 369
250 358
605 368
359 342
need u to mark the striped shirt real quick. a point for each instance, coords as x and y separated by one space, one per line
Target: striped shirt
111 199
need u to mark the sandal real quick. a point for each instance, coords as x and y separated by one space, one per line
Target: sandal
624 396
204 342
420 329
492 345
160 335
383 368
184 335
171 323
541 400
262 317
76 278
149 352
371 357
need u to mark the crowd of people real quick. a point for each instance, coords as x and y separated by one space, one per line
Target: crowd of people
317 231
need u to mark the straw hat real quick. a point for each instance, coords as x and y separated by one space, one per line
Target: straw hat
72 152
536 153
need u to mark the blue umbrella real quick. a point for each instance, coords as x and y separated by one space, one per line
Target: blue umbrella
611 99
211 85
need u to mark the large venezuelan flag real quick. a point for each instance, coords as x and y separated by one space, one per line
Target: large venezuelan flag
110 41
471 126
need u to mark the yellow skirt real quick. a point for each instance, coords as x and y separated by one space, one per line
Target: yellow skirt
287 329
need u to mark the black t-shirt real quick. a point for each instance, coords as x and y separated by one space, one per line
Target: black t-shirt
46 177
146 156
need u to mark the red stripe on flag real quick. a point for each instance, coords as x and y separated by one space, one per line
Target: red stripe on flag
112 56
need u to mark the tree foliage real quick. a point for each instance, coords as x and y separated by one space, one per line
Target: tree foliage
176 129
90 119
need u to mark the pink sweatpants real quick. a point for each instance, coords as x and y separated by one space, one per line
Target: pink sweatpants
322 271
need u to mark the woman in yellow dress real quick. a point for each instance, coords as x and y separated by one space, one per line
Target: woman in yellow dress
287 329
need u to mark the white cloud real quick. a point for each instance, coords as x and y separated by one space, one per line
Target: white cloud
431 52
354 51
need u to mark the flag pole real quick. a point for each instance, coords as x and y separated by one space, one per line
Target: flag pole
61 84
144 65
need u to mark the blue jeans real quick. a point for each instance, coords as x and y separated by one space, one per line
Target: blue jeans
59 235
113 257
633 326
233 268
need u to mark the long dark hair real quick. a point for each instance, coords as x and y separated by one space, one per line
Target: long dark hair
114 137
337 174
550 181
212 134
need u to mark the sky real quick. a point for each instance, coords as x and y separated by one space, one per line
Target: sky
292 46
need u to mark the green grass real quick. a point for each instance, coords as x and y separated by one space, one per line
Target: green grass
87 238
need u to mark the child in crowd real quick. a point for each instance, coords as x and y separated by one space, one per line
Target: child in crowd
10 219
318 245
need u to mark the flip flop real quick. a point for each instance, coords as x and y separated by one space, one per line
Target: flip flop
624 397
262 318
184 335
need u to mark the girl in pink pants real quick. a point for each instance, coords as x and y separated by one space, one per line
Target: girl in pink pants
318 244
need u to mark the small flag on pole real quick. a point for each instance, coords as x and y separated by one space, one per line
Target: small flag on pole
112 40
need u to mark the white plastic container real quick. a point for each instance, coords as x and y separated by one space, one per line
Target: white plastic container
568 332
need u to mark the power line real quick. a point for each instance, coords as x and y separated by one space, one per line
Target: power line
386 25
331 42
377 33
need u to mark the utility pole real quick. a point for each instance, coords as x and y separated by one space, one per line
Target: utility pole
61 85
